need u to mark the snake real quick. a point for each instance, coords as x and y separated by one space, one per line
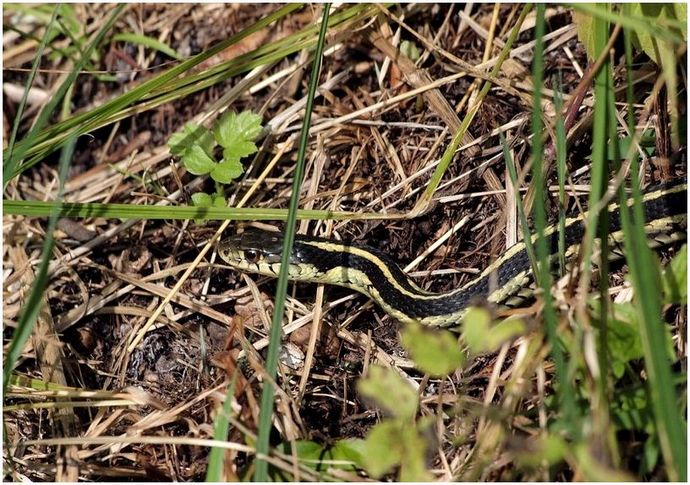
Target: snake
375 274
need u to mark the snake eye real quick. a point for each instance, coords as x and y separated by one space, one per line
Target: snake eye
251 255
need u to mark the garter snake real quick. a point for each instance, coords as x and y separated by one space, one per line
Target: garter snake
375 274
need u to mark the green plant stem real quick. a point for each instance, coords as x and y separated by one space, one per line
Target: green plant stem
39 208
268 392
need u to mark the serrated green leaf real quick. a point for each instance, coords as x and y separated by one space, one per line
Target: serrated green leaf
234 128
239 149
227 171
435 351
201 199
675 278
191 134
197 161
413 465
390 391
624 344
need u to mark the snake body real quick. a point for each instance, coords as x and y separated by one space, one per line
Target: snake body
375 274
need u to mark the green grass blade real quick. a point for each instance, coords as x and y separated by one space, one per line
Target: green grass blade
543 271
44 142
267 394
671 427
47 111
32 307
449 153
214 471
561 168
524 225
177 87
38 208
9 161
149 42
634 22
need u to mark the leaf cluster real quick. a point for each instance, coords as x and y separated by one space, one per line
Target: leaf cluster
196 145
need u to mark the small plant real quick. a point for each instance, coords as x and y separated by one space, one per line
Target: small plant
196 146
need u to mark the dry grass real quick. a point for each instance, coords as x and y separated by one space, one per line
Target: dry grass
129 400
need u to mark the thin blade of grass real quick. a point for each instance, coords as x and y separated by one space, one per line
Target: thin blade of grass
268 393
543 269
39 208
632 21
10 162
214 472
48 109
561 168
43 142
32 307
175 87
149 42
671 427
449 153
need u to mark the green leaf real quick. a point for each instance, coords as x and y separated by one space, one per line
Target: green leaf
658 14
390 391
623 338
475 325
480 336
350 449
585 31
314 455
239 149
382 448
197 161
410 50
217 200
234 128
202 199
147 42
435 351
392 443
227 171
630 410
651 454
548 448
674 280
309 452
191 134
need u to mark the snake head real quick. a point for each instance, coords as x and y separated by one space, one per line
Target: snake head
253 250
